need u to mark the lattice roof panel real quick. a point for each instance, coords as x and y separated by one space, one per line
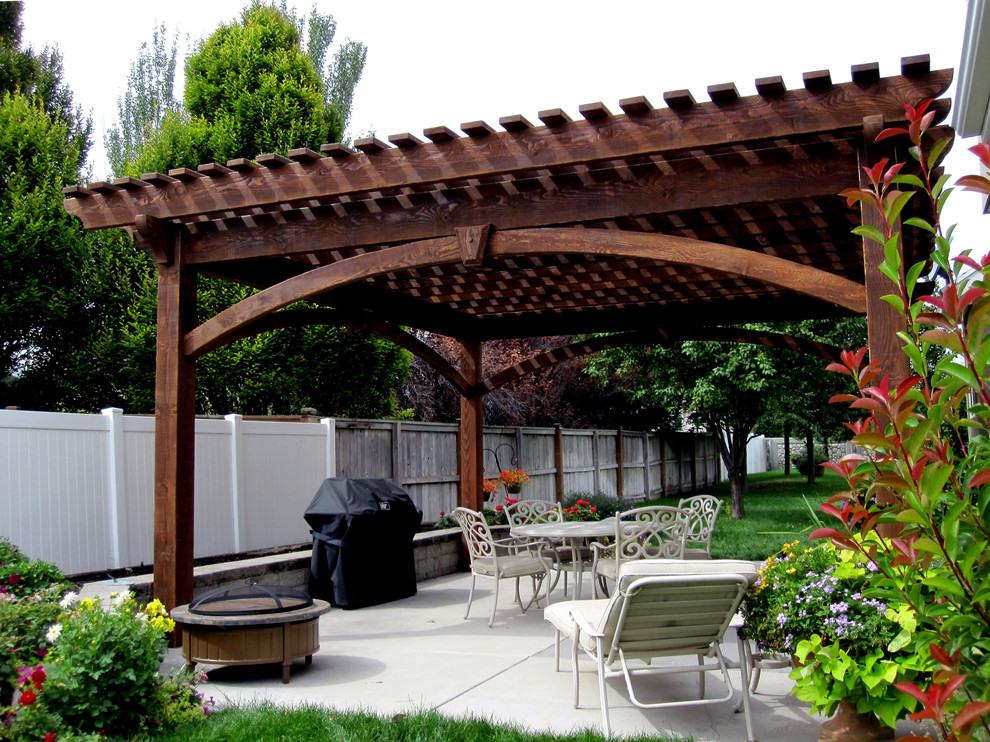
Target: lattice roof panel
697 212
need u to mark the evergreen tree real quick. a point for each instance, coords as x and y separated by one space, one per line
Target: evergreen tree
250 89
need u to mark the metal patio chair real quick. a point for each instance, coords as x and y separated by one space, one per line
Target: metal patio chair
652 532
500 559
702 512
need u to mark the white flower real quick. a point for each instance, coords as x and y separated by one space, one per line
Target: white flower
118 599
68 600
53 633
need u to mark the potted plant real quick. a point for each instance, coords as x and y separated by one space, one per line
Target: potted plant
815 605
514 479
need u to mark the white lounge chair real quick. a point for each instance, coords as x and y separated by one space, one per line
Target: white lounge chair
660 608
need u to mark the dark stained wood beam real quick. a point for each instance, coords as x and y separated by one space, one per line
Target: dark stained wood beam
471 444
329 317
765 268
655 336
175 397
664 130
657 193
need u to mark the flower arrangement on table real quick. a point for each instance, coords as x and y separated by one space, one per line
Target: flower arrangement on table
581 510
815 604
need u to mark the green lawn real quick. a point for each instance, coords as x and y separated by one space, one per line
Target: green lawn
316 723
777 511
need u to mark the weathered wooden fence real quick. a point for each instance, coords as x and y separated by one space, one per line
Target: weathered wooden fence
77 490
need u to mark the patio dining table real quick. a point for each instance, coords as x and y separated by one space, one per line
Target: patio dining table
573 533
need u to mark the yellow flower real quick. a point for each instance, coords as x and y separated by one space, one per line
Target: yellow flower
791 571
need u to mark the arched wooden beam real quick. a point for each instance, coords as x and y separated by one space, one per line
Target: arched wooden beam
649 246
307 317
787 274
656 336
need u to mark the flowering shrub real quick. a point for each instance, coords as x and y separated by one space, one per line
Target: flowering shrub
604 505
446 521
815 604
103 666
581 510
29 594
921 468
29 719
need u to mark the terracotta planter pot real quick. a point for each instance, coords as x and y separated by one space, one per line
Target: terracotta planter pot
848 725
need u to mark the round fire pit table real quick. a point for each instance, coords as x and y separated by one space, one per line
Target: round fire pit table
251 638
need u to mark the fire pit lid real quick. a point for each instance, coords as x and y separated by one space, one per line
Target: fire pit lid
251 598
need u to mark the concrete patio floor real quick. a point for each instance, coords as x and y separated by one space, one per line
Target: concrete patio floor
419 654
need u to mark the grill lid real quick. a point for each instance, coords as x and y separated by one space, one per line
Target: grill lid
250 598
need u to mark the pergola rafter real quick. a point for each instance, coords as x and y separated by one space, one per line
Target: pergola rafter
650 225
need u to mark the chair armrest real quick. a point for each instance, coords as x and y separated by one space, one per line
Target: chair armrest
583 625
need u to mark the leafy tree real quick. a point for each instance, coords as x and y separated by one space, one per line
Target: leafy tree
43 253
148 100
729 389
562 394
250 88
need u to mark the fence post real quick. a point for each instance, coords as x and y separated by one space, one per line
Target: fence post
694 462
236 476
558 463
595 462
115 476
331 432
647 489
620 475
398 470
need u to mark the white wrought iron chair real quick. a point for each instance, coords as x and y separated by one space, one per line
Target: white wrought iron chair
652 532
561 556
500 559
703 511
661 608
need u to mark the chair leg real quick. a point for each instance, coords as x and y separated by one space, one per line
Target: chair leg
491 621
470 595
701 676
602 691
575 680
745 659
556 649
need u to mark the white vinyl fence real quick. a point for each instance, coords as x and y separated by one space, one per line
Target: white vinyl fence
77 490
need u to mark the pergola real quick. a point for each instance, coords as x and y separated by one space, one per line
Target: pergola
654 224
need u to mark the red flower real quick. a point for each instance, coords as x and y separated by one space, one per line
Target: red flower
583 502
594 510
13 579
38 677
50 737
442 513
27 698
498 507
510 501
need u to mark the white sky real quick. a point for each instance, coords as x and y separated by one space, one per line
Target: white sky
463 61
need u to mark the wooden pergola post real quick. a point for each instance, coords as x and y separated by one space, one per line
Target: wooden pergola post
175 418
471 440
883 320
